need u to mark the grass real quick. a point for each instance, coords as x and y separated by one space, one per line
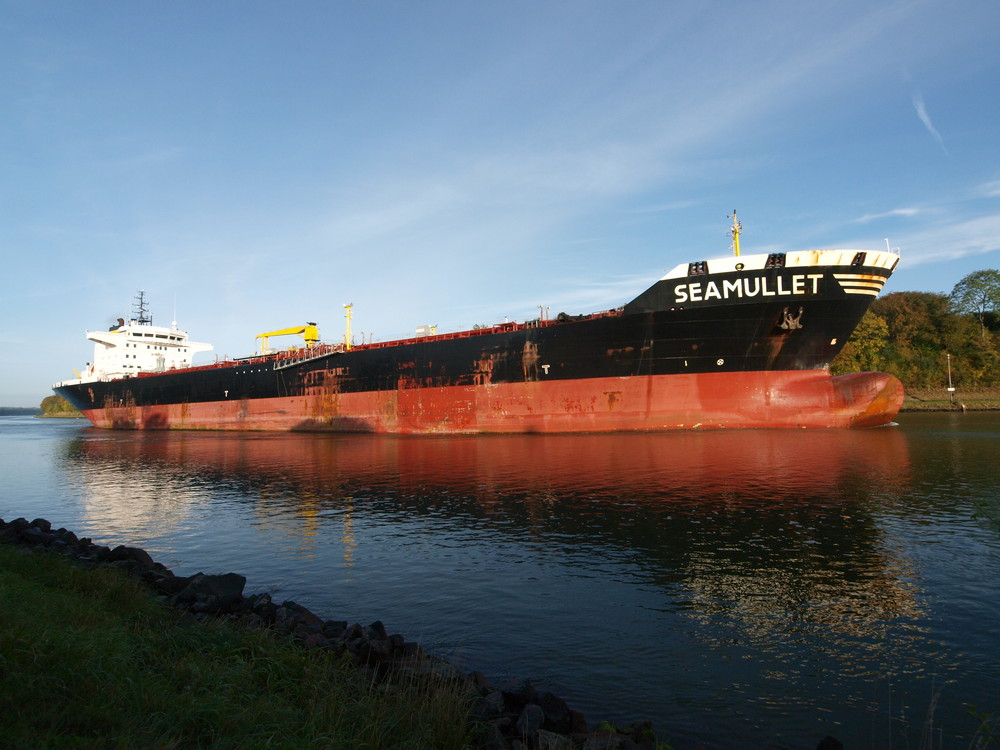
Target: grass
939 399
931 735
90 659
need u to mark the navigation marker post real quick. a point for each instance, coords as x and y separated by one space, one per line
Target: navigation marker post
951 390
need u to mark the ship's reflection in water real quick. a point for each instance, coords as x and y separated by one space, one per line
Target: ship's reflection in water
728 585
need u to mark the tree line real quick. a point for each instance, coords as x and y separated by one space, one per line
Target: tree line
57 406
16 411
919 336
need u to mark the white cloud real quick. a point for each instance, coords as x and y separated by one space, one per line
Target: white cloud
918 104
991 189
907 212
950 241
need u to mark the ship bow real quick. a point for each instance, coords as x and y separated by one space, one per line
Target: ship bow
870 398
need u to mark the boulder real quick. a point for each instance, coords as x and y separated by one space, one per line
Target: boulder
294 618
547 740
167 583
557 714
520 695
489 737
212 593
334 628
607 741
42 525
488 707
530 721
34 536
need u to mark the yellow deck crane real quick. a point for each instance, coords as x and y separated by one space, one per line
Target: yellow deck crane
309 332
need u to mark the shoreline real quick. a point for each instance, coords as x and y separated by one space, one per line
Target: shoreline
503 717
961 400
514 716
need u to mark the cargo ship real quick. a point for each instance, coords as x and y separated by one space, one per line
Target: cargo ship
739 341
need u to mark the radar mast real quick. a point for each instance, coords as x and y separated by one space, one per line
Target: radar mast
142 316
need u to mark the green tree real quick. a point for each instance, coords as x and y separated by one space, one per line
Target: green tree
864 350
977 294
916 323
57 405
921 330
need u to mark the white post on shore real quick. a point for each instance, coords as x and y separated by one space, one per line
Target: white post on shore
951 390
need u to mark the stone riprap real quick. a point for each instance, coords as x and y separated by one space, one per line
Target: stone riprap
512 717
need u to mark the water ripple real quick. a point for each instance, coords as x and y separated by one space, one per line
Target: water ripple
756 588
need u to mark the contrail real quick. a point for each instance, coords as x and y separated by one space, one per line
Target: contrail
918 104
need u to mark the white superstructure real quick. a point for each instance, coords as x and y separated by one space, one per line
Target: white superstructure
138 346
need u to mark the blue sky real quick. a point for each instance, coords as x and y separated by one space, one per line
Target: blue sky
257 165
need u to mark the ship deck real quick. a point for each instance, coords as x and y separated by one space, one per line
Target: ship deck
289 357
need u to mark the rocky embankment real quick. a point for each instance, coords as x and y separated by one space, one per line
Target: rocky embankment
514 717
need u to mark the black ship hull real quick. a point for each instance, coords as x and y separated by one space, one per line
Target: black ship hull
754 349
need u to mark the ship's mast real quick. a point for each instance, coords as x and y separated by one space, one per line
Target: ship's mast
142 316
347 335
736 229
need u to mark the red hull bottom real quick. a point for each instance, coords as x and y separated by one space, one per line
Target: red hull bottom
810 399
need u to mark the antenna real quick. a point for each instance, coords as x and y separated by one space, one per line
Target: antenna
142 315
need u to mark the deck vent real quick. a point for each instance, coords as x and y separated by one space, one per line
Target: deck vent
698 268
775 260
859 259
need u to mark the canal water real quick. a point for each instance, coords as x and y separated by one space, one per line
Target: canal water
745 589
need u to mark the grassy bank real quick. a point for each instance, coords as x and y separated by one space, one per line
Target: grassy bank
89 658
981 399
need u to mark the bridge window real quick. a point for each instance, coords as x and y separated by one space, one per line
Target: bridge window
698 268
775 260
